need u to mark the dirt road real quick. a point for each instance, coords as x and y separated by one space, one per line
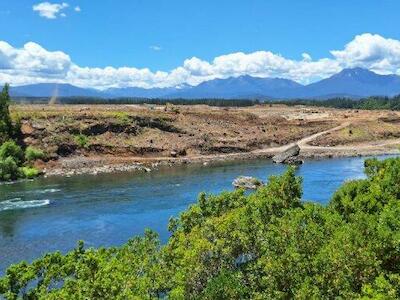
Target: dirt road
364 148
130 163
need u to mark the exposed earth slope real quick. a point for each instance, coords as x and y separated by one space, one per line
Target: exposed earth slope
81 136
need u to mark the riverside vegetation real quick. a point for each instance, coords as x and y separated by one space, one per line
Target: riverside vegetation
264 245
14 162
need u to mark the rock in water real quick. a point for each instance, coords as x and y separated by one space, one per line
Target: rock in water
247 182
287 155
294 160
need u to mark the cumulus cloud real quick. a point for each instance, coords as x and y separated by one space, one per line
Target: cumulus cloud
50 10
33 58
77 9
371 51
32 63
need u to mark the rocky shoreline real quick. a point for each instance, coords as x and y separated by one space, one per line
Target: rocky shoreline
88 165
85 139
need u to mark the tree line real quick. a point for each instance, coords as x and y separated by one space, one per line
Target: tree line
369 103
149 101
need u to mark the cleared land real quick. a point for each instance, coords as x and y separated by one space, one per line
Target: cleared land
89 136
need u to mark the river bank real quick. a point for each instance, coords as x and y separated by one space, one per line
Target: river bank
93 139
100 165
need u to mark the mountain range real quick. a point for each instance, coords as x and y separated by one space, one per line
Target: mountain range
351 83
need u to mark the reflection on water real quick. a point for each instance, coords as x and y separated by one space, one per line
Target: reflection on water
51 214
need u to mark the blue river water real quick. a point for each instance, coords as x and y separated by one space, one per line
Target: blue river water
49 214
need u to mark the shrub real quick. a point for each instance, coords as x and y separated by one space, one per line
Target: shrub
12 158
32 154
122 117
29 172
81 140
266 245
9 169
11 149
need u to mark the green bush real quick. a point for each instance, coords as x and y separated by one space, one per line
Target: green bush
29 172
263 245
32 154
11 149
123 118
12 159
81 140
9 169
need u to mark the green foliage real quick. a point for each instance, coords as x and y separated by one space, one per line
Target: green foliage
122 117
32 154
12 156
263 245
9 169
29 172
6 126
149 101
82 140
370 103
11 149
370 195
12 159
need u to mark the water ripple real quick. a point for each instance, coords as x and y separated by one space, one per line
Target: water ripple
17 203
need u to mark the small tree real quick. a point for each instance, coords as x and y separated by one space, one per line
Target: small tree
6 128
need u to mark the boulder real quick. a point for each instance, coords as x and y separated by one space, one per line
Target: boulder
27 129
289 153
247 182
294 160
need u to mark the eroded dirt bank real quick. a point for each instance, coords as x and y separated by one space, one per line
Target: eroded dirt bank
106 138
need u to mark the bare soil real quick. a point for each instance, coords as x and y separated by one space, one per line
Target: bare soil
90 136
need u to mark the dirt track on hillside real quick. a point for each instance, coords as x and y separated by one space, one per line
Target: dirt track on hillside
307 151
120 137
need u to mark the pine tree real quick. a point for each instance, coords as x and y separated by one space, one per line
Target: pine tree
6 127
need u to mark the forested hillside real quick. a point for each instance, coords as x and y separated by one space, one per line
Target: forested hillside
370 103
265 245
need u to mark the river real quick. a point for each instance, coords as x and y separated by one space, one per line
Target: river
49 214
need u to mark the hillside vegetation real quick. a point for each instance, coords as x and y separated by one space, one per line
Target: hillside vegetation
369 103
14 162
265 245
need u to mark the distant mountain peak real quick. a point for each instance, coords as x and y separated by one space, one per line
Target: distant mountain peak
351 82
355 82
355 72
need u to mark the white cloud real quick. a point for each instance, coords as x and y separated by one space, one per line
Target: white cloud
306 56
32 63
50 10
155 48
371 51
77 9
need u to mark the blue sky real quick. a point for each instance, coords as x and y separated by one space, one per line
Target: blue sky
161 35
